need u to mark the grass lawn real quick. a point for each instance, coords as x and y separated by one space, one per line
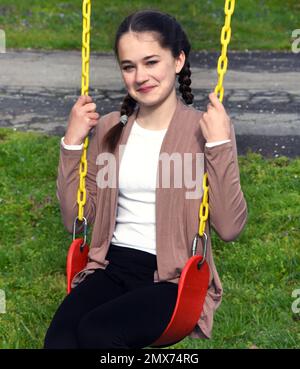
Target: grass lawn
52 24
259 270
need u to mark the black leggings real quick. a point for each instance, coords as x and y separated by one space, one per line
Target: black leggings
119 307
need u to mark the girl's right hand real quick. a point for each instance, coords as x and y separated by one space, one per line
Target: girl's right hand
82 118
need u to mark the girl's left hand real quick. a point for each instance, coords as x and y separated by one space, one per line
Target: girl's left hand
215 123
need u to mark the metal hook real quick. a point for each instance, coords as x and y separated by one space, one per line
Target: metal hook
194 247
84 232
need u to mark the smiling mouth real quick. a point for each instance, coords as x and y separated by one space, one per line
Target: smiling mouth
146 89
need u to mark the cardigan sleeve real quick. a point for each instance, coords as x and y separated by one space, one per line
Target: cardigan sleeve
227 205
68 181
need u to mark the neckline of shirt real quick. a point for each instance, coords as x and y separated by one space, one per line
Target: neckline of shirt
148 132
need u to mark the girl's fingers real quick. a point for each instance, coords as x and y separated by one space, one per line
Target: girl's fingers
89 108
92 118
209 106
93 115
84 99
94 122
215 101
204 117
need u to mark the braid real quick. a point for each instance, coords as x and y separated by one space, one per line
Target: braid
128 105
113 135
185 82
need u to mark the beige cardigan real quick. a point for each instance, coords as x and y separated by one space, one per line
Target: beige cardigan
177 219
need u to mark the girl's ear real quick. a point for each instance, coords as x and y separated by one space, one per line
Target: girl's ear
180 60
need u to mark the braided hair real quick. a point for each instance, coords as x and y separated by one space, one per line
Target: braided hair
185 82
170 36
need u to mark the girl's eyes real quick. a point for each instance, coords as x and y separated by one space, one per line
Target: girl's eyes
152 62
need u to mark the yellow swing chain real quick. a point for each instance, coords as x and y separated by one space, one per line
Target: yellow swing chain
222 68
86 25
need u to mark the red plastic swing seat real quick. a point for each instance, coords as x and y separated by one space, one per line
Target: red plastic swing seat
76 260
192 289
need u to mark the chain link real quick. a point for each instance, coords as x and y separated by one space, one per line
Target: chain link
204 207
222 68
225 39
86 28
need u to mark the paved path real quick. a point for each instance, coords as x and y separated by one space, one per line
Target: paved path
262 93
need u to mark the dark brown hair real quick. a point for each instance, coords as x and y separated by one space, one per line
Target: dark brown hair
170 36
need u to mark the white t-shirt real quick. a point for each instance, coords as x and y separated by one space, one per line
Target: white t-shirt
135 222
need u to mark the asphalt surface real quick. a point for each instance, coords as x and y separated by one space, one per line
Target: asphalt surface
262 93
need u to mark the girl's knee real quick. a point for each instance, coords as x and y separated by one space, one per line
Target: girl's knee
100 335
60 339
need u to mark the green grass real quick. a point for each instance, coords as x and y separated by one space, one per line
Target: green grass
259 270
52 24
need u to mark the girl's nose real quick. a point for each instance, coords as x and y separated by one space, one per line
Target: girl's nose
141 75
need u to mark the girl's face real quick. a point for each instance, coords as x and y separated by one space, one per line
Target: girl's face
144 63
